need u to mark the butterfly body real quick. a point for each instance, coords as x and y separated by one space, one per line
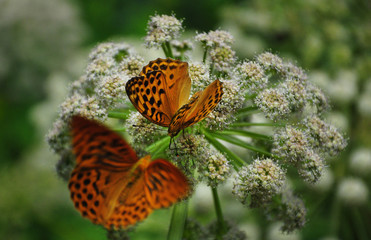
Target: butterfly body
161 94
111 186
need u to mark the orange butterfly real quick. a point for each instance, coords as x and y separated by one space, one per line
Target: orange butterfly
111 186
161 95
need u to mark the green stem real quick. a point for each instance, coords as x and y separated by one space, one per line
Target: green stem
158 146
170 51
359 224
249 124
245 134
205 55
241 143
222 228
237 162
119 115
177 221
247 111
335 216
164 48
249 97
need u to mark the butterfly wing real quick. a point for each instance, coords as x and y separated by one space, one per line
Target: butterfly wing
198 107
161 89
165 184
103 164
147 94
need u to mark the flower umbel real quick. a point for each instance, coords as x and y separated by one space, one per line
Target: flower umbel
294 134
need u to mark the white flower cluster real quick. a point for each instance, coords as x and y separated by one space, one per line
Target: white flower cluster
215 38
325 136
274 103
221 53
290 144
270 61
292 212
286 91
260 180
162 29
141 130
217 169
181 47
295 147
199 73
251 75
195 153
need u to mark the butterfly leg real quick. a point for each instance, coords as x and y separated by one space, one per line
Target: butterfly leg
176 149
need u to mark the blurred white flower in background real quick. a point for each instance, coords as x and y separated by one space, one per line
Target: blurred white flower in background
352 191
360 161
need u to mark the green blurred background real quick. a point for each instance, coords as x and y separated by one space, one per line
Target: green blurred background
44 46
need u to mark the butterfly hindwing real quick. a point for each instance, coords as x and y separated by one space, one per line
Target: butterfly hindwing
165 184
131 205
198 107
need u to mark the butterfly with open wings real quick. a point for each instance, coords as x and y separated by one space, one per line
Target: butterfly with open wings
111 186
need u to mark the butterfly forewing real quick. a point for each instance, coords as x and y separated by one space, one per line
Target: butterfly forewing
198 107
96 145
161 89
147 93
177 82
165 184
